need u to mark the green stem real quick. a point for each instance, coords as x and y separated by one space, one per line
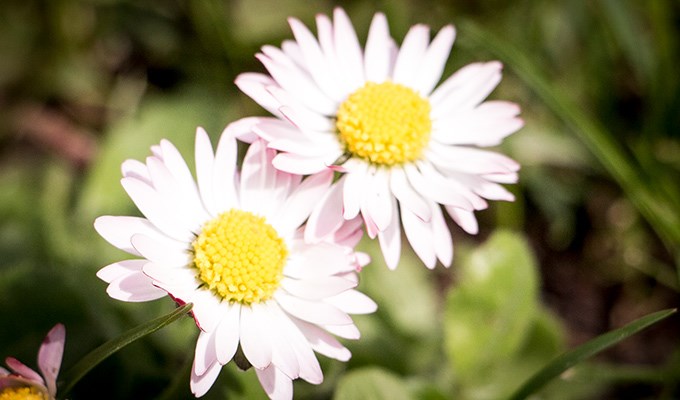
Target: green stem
92 359
586 350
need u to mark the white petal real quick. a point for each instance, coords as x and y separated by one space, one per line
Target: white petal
317 261
348 50
312 311
301 202
135 169
434 61
470 160
118 231
242 129
316 288
161 273
411 55
205 354
347 331
326 217
275 383
355 185
254 336
227 333
408 197
223 185
254 85
467 93
206 308
155 210
322 342
438 193
315 60
378 201
353 302
120 269
377 54
419 235
205 160
161 252
300 86
303 165
390 239
201 384
441 237
464 219
135 287
257 178
486 125
453 186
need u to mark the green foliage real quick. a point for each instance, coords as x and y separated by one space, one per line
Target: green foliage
371 383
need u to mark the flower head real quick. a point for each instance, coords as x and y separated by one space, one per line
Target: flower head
404 144
23 383
233 244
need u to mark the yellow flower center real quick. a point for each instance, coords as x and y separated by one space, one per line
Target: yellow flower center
22 393
385 123
240 257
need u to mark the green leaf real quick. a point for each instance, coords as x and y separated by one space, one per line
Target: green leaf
573 357
489 313
369 384
92 359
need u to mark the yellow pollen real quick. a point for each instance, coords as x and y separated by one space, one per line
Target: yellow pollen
240 257
21 393
385 123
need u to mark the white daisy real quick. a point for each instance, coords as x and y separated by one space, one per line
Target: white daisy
404 146
234 246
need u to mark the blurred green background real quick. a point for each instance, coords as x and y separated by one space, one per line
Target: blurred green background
592 242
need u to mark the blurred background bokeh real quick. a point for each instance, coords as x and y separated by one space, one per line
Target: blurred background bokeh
592 242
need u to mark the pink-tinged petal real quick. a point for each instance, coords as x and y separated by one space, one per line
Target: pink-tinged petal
275 383
318 147
299 85
254 85
205 160
161 252
3 372
155 209
441 236
312 311
19 368
353 302
120 269
272 130
438 193
200 384
205 354
411 55
254 335
227 333
390 240
50 355
464 219
174 162
327 217
469 93
348 234
300 116
161 273
258 180
224 171
135 287
434 60
371 227
242 129
315 60
316 288
377 202
408 197
135 169
323 342
301 202
377 55
419 235
301 165
284 356
316 261
347 331
348 50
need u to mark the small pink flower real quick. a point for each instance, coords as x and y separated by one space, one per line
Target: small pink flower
25 383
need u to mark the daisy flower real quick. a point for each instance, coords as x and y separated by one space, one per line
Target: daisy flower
232 243
404 144
23 383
